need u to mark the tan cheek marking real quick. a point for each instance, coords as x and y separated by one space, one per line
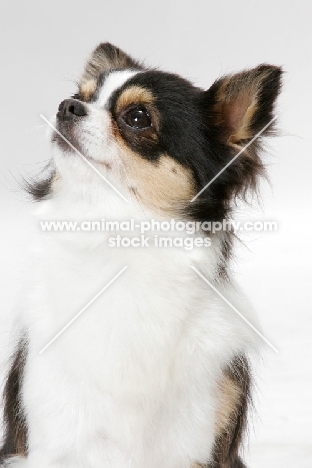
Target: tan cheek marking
87 89
164 186
229 395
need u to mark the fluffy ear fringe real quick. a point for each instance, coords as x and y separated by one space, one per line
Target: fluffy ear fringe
236 108
106 57
241 105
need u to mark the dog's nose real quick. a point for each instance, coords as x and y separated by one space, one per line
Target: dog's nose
71 108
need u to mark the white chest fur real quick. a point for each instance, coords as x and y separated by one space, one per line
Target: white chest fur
132 381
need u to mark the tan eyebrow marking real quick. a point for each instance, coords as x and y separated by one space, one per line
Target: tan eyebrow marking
87 90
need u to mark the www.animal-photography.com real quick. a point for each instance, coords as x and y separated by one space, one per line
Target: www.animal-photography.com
155 242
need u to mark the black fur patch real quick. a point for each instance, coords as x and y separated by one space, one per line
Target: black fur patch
40 188
15 427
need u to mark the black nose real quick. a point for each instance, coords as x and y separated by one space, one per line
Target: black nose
70 108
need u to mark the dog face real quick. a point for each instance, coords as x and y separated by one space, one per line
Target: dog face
124 128
159 139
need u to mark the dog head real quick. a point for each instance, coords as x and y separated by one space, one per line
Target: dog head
159 140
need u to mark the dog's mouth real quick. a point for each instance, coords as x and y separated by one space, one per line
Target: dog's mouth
65 136
69 142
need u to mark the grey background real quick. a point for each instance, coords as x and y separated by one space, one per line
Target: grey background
43 47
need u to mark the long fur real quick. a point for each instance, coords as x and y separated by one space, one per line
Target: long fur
155 372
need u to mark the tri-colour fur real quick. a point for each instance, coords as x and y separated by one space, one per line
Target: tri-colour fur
155 373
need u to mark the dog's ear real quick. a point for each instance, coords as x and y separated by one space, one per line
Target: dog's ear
238 112
241 105
106 57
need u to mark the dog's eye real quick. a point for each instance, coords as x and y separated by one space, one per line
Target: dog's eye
138 118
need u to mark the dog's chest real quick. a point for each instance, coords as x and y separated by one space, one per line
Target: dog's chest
124 326
134 364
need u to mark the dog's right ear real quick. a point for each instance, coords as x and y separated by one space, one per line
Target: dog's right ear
106 57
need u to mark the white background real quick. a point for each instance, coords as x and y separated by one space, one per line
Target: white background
42 50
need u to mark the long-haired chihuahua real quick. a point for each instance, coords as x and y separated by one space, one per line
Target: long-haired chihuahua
134 357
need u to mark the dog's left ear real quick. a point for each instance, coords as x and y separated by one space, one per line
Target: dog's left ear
241 105
236 108
106 57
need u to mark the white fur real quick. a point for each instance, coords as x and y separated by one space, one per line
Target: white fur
132 383
113 81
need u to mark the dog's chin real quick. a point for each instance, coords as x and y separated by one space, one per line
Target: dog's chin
66 137
74 160
71 146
